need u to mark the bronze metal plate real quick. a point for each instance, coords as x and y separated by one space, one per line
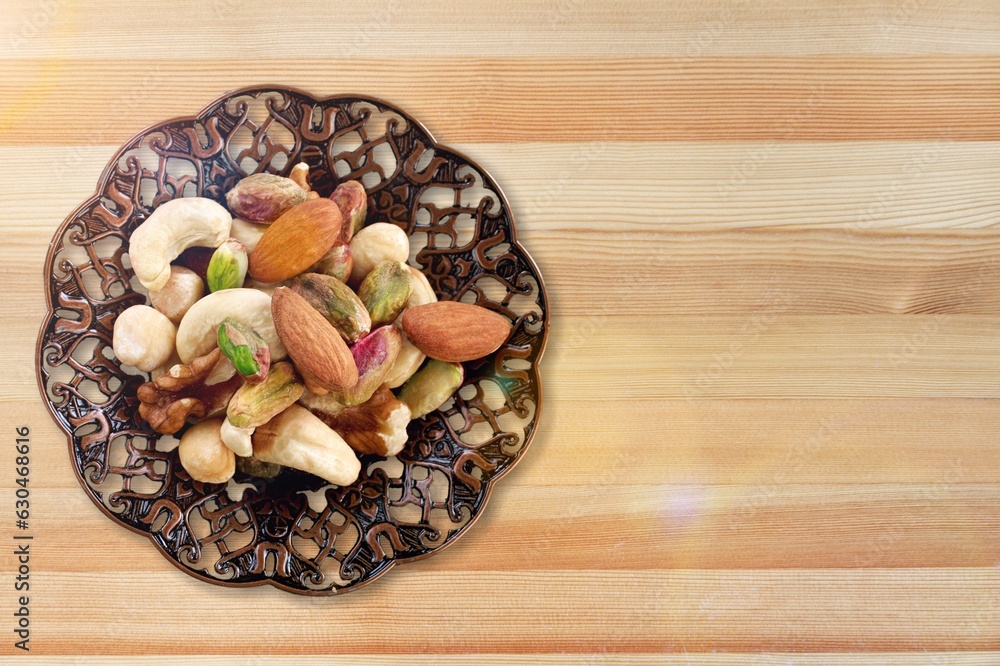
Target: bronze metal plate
294 532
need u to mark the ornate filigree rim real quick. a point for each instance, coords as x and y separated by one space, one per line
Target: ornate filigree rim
107 173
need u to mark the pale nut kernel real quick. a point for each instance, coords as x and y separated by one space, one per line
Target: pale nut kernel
237 439
298 439
169 230
204 455
247 233
300 175
374 244
182 290
422 293
198 332
407 362
143 337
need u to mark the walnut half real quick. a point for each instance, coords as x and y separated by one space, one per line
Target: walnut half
199 390
377 426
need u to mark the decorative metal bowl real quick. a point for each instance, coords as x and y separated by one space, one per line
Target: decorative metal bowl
295 532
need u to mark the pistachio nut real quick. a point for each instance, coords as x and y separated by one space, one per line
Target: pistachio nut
336 302
374 355
336 263
227 269
352 199
259 468
256 404
245 348
407 363
422 293
431 386
263 197
385 291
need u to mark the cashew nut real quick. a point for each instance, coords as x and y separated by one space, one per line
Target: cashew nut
204 455
237 439
199 330
143 337
374 244
300 174
296 438
172 228
181 291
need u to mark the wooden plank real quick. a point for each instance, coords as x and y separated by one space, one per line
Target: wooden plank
768 355
770 98
568 192
760 524
680 442
760 355
386 28
592 659
812 610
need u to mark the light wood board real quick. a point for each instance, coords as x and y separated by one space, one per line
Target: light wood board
769 232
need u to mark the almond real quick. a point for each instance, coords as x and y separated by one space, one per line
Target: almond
296 241
455 332
320 354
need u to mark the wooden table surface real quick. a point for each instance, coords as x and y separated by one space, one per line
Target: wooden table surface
769 233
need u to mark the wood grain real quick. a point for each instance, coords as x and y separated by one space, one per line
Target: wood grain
555 611
772 392
770 98
380 29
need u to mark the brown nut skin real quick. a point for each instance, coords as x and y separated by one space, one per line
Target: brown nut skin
321 356
196 259
377 426
182 290
263 197
185 392
296 241
454 331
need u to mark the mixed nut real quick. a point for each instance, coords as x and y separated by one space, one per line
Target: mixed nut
286 349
